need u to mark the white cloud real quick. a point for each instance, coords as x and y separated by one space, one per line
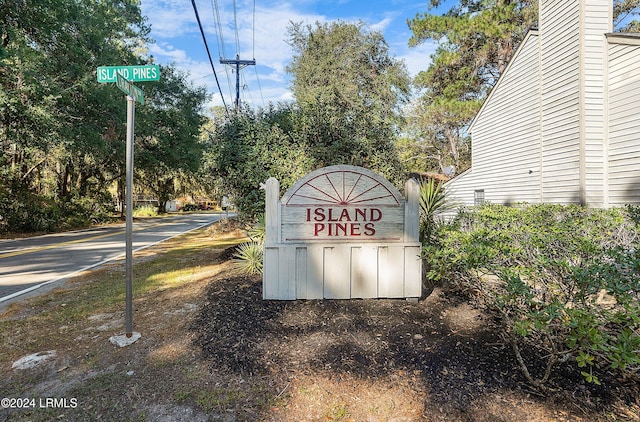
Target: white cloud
261 37
171 18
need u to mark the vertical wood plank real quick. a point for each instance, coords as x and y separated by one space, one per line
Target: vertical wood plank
301 272
286 277
336 273
412 212
412 272
270 273
364 283
272 210
390 271
315 268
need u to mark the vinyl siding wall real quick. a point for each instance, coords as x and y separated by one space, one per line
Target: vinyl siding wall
506 133
560 125
597 21
624 124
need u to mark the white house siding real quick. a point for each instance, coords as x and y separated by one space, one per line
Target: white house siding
560 125
506 133
624 124
597 15
506 137
460 190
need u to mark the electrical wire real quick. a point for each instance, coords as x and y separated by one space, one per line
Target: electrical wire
235 23
220 38
204 38
222 53
259 85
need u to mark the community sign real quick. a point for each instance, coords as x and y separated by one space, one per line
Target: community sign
341 232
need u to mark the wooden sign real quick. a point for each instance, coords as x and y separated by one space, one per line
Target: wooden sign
342 204
341 232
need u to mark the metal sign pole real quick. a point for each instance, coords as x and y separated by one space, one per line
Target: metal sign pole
131 108
120 75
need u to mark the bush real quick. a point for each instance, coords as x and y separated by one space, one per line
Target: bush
26 212
29 213
145 211
433 199
248 257
564 281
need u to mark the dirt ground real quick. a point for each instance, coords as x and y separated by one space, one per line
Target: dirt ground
212 349
436 360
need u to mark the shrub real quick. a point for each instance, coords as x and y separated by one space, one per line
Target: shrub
248 257
432 200
29 213
563 281
145 211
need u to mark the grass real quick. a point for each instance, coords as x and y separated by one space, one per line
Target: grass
77 319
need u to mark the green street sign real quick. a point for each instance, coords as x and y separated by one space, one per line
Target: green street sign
132 73
129 88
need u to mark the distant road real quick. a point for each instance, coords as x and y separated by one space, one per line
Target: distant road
28 264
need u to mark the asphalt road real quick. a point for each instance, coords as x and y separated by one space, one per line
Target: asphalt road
35 262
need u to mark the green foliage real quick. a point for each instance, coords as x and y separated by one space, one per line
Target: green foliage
563 280
476 41
145 211
252 146
169 149
248 257
257 231
62 133
348 91
432 200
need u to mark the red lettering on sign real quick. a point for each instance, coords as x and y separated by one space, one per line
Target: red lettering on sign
376 214
369 229
344 215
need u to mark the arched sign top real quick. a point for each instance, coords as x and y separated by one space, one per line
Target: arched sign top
342 185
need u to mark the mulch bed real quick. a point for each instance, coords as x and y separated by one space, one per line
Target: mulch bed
450 346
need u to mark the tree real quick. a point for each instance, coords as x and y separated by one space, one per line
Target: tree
624 12
349 91
58 127
62 133
168 146
476 41
477 38
253 145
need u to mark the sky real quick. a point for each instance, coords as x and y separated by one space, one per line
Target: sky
261 35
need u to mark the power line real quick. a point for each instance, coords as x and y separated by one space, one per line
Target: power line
235 22
204 38
220 41
259 86
235 64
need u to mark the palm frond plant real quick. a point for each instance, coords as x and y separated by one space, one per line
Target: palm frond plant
433 199
248 257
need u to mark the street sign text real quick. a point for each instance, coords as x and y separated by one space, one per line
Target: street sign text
131 73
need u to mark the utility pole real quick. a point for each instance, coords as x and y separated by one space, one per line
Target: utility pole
237 62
